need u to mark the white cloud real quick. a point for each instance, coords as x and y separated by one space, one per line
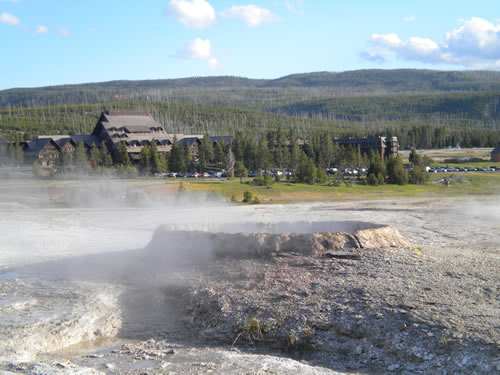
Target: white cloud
420 48
196 14
252 15
475 38
41 30
390 41
64 32
409 19
200 49
476 43
9 19
93 29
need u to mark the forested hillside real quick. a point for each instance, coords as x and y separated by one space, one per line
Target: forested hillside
189 118
259 94
424 108
459 108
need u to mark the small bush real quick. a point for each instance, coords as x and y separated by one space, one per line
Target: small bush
247 196
380 179
372 179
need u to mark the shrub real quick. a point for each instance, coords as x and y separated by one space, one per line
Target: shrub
380 179
372 179
247 196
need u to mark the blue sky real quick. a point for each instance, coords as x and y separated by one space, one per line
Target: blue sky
49 42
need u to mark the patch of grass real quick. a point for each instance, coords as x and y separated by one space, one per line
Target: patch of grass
473 183
253 330
479 164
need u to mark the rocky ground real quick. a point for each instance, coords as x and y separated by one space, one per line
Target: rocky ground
423 307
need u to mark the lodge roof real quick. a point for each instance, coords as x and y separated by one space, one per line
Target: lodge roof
89 140
131 121
36 146
225 138
62 142
188 140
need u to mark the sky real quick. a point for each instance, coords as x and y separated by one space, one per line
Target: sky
52 42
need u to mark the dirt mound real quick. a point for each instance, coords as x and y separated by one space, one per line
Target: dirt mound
177 246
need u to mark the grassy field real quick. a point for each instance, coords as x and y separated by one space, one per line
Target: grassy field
439 155
479 164
459 184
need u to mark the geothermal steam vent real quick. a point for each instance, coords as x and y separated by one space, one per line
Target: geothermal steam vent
180 246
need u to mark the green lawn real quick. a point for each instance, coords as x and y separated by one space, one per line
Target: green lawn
481 164
471 183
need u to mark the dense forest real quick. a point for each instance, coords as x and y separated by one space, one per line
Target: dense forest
258 93
424 108
188 118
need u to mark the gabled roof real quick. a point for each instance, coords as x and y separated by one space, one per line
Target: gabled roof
89 140
132 121
188 140
496 150
53 137
62 141
36 146
225 138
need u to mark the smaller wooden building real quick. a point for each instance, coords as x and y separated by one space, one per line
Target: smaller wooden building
384 146
44 150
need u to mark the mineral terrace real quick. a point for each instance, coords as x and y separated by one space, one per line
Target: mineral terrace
417 292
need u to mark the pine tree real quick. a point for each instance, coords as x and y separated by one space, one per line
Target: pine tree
64 162
155 162
145 160
306 171
294 150
240 170
120 155
187 159
81 161
250 153
95 157
175 160
206 153
106 158
320 175
418 173
219 152
396 171
263 155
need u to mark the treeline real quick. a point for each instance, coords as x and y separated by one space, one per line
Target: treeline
461 108
232 91
188 118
